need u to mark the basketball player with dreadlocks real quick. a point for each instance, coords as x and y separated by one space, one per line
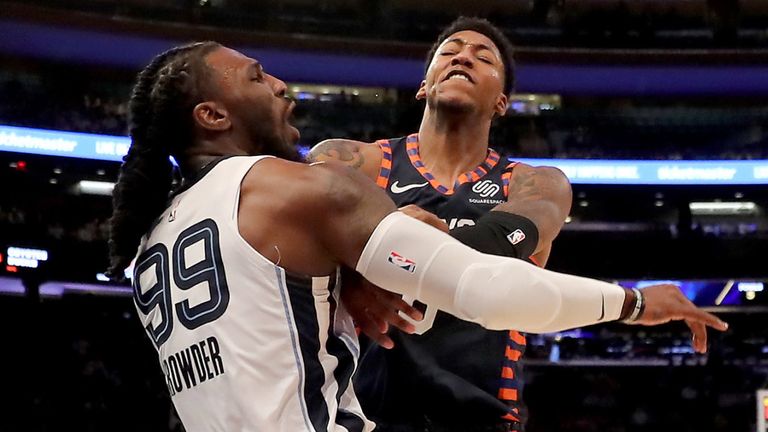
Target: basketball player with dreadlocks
235 279
454 375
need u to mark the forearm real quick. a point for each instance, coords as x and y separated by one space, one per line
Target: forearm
408 257
543 195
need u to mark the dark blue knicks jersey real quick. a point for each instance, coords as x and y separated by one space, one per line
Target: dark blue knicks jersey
454 373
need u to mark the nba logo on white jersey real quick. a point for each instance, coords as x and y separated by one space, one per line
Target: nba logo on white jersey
516 236
402 262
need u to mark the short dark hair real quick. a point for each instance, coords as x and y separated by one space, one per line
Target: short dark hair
484 27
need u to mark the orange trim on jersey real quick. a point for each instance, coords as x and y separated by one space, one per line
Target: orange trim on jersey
412 150
508 394
517 337
386 163
506 176
535 261
510 417
507 372
512 354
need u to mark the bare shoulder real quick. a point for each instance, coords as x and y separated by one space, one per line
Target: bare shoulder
549 172
317 214
295 213
538 182
362 156
285 187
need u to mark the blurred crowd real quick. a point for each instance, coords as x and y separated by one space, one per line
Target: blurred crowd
684 24
616 129
87 366
60 105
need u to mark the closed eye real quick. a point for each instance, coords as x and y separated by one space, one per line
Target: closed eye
257 72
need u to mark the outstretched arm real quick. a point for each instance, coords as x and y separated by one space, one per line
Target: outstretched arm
339 217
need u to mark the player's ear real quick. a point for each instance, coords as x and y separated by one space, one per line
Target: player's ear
422 92
211 116
502 103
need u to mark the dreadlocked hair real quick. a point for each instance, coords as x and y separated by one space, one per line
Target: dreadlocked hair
161 125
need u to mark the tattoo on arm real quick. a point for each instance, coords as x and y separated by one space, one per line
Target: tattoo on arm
338 150
524 186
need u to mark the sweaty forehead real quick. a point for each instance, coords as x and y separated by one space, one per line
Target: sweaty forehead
226 61
472 38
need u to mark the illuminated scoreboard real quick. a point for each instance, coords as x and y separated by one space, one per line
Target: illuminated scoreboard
23 258
762 410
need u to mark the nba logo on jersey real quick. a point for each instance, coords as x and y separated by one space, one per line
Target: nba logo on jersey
402 262
516 236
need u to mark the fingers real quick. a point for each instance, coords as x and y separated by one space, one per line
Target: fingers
699 339
693 313
386 307
370 329
394 318
417 212
667 302
382 313
391 317
398 304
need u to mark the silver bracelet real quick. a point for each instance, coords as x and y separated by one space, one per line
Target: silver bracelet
639 300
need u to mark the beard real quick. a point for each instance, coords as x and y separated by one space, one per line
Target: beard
281 147
290 153
283 150
450 106
273 139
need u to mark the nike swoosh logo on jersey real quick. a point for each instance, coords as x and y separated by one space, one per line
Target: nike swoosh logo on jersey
400 189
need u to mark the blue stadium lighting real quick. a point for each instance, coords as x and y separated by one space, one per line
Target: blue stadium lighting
579 171
751 286
66 144
658 172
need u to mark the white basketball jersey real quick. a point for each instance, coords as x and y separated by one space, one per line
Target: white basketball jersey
244 345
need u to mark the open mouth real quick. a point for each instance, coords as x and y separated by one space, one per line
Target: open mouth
458 75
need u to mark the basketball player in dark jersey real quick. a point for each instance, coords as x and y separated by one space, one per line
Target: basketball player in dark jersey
454 375
235 273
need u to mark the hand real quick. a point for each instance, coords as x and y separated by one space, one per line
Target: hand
419 213
664 303
375 309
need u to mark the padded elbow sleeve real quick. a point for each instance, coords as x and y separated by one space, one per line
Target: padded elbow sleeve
409 257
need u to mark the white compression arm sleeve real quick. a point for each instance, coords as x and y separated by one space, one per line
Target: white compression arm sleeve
409 257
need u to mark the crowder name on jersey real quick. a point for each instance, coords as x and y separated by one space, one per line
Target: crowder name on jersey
193 365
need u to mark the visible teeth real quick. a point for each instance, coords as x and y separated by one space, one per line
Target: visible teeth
459 77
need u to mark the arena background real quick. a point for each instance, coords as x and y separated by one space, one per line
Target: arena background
656 109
